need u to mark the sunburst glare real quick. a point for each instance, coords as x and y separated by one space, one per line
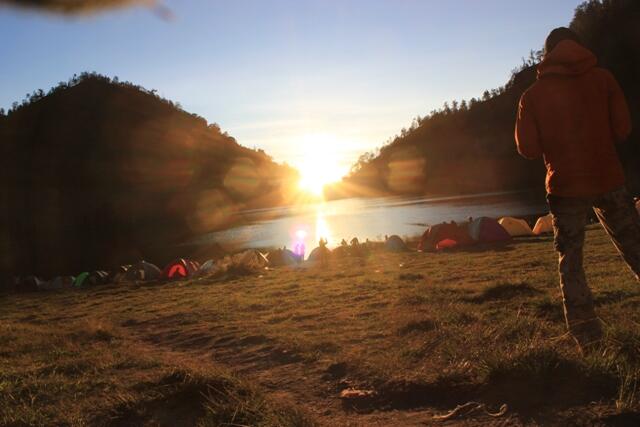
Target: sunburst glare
320 163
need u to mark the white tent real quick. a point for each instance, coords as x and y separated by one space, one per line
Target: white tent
207 267
543 225
516 227
281 257
252 258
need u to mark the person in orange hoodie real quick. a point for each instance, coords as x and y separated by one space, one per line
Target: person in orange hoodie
573 116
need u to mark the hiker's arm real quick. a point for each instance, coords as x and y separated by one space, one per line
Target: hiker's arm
527 139
619 110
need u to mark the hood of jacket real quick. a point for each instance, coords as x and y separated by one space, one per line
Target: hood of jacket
568 58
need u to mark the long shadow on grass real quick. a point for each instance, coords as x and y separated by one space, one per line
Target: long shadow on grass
257 350
548 309
534 385
504 291
612 297
542 378
445 392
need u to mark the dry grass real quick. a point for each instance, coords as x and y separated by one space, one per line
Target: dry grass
84 372
423 332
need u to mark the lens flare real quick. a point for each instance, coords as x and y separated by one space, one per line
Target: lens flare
320 162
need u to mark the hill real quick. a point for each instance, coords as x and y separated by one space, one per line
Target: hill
99 172
468 146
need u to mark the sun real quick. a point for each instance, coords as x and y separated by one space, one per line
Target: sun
321 163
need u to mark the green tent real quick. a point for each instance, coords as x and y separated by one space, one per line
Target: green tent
81 279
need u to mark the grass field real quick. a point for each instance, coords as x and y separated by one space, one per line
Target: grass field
405 336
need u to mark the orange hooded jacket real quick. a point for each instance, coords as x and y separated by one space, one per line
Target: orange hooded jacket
573 116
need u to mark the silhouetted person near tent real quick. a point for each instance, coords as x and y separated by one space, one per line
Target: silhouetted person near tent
324 252
573 116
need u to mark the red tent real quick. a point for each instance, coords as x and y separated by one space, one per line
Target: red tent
446 244
445 231
180 269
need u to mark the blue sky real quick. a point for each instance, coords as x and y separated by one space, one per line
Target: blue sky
277 74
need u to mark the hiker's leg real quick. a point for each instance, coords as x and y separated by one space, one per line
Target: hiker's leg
569 219
619 217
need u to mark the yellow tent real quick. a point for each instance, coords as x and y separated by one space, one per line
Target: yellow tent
515 226
543 225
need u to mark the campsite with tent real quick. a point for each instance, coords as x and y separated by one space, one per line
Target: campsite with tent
436 238
121 304
367 333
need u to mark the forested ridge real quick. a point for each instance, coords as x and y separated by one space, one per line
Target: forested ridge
98 172
468 146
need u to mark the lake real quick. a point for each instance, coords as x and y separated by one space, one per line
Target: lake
371 218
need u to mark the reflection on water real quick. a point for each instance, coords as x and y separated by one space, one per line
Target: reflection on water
365 219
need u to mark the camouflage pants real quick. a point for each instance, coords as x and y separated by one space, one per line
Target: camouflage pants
617 214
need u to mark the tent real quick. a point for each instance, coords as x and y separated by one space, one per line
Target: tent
143 271
516 227
395 244
543 225
119 275
487 230
97 278
60 282
91 279
81 280
207 267
281 257
437 233
179 269
341 251
446 244
250 259
63 282
94 278
247 262
319 253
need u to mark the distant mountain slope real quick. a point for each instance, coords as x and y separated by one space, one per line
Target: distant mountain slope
98 172
468 146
